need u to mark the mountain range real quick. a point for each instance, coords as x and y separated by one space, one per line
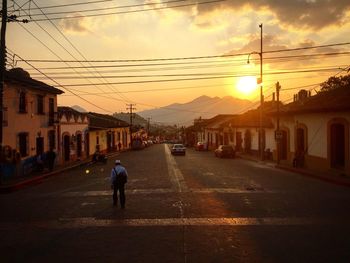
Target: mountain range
203 106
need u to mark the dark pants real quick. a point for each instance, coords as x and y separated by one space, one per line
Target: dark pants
119 187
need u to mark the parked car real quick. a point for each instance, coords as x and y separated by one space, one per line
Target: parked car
178 149
200 146
225 151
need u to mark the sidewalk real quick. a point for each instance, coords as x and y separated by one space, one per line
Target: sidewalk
35 178
327 177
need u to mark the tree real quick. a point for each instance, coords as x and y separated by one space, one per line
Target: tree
336 82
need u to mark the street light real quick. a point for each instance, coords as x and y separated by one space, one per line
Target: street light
260 81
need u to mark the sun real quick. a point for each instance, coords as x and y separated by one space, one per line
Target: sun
246 85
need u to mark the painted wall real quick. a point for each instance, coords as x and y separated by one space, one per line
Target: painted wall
31 122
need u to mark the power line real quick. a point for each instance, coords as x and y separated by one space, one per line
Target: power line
127 12
69 90
71 44
199 78
202 73
200 57
64 5
104 8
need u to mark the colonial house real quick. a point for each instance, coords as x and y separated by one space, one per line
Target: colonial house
198 127
30 116
242 131
106 133
315 131
72 132
213 135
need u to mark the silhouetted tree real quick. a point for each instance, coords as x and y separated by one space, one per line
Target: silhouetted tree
336 82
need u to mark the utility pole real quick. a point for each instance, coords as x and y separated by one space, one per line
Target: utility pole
2 65
261 94
130 108
278 139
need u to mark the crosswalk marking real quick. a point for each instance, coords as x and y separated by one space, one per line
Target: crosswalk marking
72 223
170 190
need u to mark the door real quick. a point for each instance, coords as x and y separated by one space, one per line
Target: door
337 145
239 141
79 145
284 145
39 145
66 148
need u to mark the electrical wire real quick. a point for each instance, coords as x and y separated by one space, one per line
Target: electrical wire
128 12
105 8
74 47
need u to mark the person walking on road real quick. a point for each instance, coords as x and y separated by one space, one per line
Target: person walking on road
119 177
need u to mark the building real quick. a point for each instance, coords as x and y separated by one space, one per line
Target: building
30 116
72 132
242 131
106 133
213 135
315 131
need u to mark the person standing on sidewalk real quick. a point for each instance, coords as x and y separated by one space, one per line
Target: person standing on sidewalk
119 177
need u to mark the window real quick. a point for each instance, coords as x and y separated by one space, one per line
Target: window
22 102
23 144
4 117
40 104
51 111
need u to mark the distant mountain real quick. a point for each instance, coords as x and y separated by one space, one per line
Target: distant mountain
137 119
78 108
203 106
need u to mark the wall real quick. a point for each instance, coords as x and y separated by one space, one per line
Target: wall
30 122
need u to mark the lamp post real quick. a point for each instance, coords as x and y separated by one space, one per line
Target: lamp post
260 81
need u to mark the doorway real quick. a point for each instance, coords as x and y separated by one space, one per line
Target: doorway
66 148
337 145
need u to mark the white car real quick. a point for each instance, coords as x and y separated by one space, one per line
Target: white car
178 149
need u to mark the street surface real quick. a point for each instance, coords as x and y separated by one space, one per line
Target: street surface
193 208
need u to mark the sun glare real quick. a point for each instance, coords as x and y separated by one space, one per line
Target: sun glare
246 85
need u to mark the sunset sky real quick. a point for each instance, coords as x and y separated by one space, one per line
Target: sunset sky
193 34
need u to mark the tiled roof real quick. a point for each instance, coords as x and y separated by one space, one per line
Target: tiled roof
18 75
217 120
98 120
326 101
249 119
69 111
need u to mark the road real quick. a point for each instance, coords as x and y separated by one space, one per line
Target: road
193 208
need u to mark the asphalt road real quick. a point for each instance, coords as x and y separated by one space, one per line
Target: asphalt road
193 208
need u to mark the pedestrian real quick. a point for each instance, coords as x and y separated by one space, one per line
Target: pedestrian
51 156
119 177
119 146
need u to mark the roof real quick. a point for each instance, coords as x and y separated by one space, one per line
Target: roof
20 76
326 101
69 111
215 122
106 121
249 119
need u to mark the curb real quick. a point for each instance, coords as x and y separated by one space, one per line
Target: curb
38 179
312 175
301 172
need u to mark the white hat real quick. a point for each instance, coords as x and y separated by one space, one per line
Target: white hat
117 161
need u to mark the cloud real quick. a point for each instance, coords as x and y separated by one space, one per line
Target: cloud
303 14
77 25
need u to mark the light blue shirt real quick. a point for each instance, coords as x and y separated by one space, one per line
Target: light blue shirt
118 169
